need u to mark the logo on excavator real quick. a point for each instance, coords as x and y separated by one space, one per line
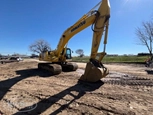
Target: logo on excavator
76 27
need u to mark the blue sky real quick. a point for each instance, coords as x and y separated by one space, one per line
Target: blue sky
22 22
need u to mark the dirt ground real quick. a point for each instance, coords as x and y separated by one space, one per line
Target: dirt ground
24 90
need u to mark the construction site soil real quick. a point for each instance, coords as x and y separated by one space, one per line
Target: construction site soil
25 90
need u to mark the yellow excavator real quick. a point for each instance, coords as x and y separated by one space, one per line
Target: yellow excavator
57 60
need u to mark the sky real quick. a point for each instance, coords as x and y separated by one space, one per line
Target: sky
22 22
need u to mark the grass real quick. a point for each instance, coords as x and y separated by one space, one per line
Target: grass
115 59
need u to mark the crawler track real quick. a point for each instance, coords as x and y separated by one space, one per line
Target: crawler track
130 82
117 78
124 79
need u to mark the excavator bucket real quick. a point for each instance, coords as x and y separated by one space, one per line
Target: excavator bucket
93 73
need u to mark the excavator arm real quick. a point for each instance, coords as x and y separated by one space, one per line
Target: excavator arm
95 70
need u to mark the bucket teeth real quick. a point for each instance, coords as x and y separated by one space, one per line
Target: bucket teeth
93 73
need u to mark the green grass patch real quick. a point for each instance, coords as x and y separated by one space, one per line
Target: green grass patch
115 59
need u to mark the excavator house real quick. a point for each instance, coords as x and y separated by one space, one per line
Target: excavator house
56 61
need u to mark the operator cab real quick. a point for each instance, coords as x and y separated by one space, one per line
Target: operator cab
68 53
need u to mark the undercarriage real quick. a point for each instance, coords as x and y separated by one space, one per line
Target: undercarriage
57 68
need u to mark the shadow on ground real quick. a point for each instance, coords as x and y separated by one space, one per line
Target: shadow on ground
81 88
5 85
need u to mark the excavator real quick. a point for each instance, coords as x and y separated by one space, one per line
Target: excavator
58 60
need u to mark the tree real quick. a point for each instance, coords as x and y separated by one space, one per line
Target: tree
80 52
40 46
145 35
